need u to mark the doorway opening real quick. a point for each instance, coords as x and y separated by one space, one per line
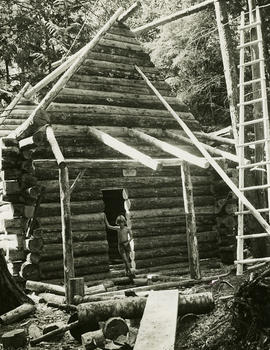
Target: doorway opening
114 206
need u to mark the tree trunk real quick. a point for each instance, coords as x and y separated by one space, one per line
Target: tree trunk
11 296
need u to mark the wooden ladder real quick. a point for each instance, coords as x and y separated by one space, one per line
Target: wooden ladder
246 85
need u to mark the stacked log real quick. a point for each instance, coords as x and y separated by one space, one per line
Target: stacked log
31 194
12 211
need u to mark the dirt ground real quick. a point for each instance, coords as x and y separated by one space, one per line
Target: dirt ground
209 331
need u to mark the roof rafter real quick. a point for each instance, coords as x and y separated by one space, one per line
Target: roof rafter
123 148
174 150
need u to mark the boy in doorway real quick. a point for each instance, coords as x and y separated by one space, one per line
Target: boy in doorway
124 236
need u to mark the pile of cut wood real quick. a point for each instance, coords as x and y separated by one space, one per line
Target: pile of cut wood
102 319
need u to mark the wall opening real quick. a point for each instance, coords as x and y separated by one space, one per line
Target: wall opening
114 206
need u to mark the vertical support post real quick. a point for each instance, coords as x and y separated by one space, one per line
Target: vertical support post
66 230
193 253
229 64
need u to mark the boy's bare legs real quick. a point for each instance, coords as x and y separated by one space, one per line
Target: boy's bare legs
126 262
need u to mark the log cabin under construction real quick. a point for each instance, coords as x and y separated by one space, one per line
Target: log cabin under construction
109 123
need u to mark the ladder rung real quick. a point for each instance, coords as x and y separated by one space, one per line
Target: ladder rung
251 82
253 188
260 99
251 122
250 43
250 261
257 142
252 165
250 63
263 210
255 235
251 25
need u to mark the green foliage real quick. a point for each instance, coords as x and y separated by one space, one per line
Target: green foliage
189 52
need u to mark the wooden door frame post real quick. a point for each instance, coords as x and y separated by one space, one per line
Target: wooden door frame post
229 64
68 259
191 228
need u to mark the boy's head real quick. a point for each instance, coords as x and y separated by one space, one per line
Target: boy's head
120 220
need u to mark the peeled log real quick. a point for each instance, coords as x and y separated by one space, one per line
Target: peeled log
51 298
133 307
41 287
100 288
17 314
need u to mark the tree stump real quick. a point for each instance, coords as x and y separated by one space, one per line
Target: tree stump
14 339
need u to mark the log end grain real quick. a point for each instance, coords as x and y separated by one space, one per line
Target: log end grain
114 327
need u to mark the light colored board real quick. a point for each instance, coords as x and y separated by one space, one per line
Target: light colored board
158 325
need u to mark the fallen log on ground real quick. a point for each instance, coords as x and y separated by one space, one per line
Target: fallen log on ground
51 327
54 333
100 288
133 307
17 314
66 307
161 286
41 287
51 298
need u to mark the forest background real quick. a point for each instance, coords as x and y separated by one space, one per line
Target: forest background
36 33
